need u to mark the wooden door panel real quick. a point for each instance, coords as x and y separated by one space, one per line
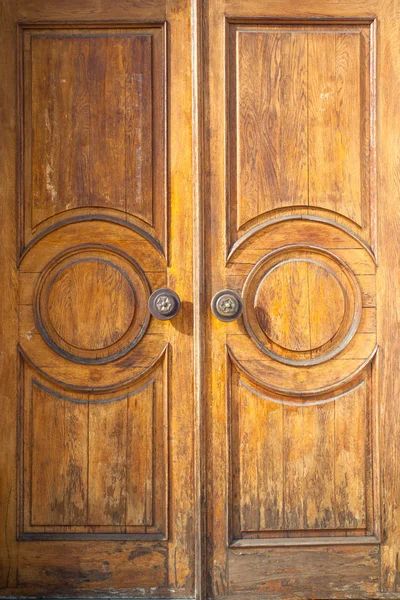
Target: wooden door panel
294 464
99 436
306 470
97 96
102 479
295 137
101 468
94 167
309 571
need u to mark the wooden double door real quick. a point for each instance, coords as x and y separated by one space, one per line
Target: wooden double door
200 278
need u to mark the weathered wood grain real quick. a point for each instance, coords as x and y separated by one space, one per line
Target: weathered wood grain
261 469
271 122
60 125
300 305
107 121
388 382
107 463
180 278
334 110
315 572
8 299
138 129
95 567
297 93
298 468
94 125
96 314
139 458
103 462
59 461
92 9
48 476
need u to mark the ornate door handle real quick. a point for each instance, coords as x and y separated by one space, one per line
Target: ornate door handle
164 304
227 305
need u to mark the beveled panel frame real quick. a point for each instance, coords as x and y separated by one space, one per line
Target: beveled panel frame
154 378
366 26
157 226
237 536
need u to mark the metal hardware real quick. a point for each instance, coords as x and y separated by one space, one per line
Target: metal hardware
227 305
164 304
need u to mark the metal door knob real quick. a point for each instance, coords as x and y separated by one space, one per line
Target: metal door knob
227 305
164 304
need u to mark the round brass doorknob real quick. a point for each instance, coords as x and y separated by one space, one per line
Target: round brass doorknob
164 304
227 305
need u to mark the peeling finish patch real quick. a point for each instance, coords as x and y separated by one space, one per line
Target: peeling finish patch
327 92
29 334
49 185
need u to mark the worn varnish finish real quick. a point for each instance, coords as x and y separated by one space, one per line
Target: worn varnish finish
101 501
306 470
299 121
97 463
298 442
200 145
111 122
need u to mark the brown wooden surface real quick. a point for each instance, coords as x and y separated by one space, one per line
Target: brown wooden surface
295 137
306 468
200 145
111 122
297 458
97 496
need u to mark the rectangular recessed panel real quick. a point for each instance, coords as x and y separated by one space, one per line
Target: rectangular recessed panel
300 468
94 125
299 121
94 466
320 572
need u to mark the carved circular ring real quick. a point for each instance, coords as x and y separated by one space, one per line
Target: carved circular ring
302 305
90 304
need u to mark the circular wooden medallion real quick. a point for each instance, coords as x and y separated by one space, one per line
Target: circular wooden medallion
91 304
302 305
